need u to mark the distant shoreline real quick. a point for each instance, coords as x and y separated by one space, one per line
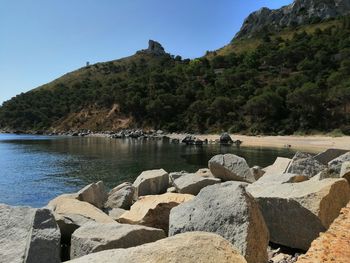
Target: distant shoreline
311 143
314 143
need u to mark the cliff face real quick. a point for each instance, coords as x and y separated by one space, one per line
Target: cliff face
298 13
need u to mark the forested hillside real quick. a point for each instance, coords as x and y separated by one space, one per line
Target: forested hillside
297 80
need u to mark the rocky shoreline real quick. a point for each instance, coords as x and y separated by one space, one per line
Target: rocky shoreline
309 143
228 212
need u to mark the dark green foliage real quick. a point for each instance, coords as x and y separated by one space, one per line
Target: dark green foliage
283 86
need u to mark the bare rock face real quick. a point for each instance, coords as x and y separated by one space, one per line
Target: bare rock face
94 194
95 237
229 211
298 13
28 235
296 213
333 245
152 182
121 196
154 210
192 183
191 247
230 167
345 171
155 48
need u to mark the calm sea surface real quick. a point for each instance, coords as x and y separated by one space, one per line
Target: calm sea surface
35 169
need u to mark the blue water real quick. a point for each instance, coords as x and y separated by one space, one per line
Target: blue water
35 169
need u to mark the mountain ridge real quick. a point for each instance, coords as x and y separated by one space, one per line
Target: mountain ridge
297 13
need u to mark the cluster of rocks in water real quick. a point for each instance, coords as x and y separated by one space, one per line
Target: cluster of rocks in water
228 212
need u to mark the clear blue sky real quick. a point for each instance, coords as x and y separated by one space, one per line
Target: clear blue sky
41 40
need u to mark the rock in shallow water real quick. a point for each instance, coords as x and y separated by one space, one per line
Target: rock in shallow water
28 235
192 247
95 237
228 210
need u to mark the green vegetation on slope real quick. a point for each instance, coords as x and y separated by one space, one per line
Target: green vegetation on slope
288 83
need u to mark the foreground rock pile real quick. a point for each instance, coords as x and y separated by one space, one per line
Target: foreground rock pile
228 213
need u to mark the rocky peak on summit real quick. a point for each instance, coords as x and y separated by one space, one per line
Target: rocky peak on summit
297 13
155 48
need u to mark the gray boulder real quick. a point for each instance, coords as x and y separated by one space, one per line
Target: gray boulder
296 213
28 235
336 164
94 194
345 171
95 237
230 167
192 183
305 164
191 247
121 196
175 175
152 182
329 155
229 211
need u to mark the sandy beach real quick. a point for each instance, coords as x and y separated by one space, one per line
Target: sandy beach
315 143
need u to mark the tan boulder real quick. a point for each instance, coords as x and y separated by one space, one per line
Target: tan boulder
95 237
334 244
154 210
193 247
296 213
278 167
70 214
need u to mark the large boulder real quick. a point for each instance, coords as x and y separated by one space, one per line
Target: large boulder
336 164
28 235
278 167
70 214
154 210
192 183
121 196
228 210
296 213
329 155
333 245
305 164
95 237
152 182
94 194
189 247
230 167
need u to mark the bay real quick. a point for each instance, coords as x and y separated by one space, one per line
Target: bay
35 169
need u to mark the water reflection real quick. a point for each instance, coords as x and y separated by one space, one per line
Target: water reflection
34 169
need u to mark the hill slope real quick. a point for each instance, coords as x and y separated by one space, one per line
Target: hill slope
296 79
